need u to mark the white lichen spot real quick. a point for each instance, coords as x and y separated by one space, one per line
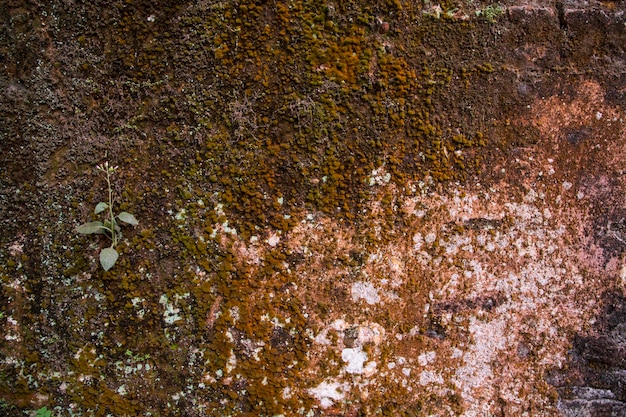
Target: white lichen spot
273 239
456 353
418 241
322 338
379 177
355 358
137 300
370 333
370 369
181 215
366 291
426 358
328 392
234 313
227 229
429 377
170 315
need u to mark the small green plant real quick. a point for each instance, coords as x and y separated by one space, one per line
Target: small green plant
491 12
110 226
43 412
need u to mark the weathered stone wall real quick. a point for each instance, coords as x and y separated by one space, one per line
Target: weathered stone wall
345 208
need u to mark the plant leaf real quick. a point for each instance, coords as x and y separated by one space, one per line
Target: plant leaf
108 257
128 218
44 412
100 207
91 228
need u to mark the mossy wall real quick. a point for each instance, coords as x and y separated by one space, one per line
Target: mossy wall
284 160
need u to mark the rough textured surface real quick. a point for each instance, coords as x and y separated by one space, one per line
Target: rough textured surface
345 208
593 384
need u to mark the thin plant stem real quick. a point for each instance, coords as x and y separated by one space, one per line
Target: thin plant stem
111 217
112 223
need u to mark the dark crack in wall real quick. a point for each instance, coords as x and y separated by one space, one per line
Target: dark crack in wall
594 383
